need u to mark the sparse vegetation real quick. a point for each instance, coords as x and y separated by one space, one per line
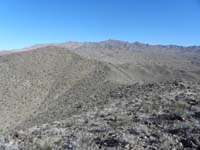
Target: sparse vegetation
1 131
45 146
180 108
124 100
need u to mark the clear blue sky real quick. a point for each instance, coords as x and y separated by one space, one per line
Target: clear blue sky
27 22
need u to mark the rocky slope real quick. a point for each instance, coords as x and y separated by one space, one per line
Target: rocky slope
141 116
105 95
28 79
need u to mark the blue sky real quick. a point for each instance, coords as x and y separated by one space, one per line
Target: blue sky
27 22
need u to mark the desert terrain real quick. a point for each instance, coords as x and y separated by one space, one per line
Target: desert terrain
111 95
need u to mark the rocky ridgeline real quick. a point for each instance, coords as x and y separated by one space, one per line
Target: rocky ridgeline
141 116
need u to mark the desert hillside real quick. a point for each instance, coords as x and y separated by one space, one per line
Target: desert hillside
29 78
100 95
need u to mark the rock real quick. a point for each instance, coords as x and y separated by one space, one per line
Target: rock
110 142
196 115
187 143
170 117
181 131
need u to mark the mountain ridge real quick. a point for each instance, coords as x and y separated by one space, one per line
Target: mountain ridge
106 41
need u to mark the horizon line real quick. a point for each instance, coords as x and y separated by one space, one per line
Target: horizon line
97 41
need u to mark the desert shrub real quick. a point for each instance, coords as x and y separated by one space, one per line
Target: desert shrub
180 108
2 131
45 146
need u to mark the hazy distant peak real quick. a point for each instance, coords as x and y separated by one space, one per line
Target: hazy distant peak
114 41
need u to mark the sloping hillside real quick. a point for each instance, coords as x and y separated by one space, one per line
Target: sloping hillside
143 62
29 78
40 81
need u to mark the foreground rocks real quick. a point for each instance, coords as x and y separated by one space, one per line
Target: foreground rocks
141 116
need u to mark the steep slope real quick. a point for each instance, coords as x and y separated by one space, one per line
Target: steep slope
28 79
